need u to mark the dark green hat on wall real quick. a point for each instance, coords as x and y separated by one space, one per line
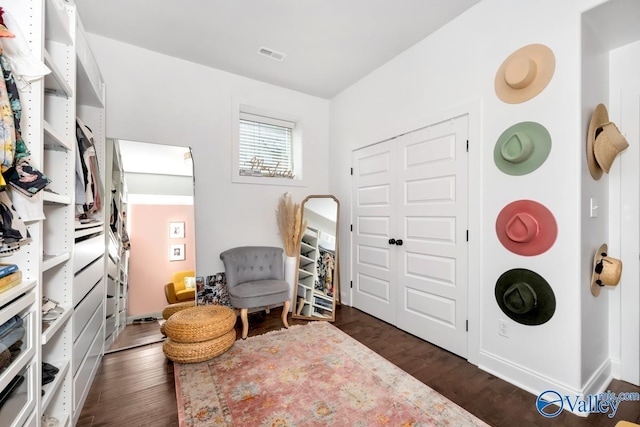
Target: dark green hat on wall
525 296
522 148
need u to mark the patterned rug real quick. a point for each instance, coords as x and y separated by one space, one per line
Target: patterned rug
308 375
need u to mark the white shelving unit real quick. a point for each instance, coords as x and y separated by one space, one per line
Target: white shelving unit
90 283
117 263
311 302
61 262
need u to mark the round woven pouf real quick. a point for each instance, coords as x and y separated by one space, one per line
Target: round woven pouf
183 352
174 308
198 324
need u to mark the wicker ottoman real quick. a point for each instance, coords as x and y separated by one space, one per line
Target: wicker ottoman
200 333
172 309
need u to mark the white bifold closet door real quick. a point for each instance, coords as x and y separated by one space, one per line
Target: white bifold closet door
410 260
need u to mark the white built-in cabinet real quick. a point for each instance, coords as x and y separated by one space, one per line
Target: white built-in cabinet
64 261
118 255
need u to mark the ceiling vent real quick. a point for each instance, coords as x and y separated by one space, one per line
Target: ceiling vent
278 56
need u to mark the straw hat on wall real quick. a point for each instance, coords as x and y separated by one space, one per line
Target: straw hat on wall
604 142
525 73
606 270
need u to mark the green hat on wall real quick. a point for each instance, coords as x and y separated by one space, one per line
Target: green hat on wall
522 148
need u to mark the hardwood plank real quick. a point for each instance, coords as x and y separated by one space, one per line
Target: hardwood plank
136 387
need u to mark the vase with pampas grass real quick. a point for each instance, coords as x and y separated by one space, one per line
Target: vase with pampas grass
290 225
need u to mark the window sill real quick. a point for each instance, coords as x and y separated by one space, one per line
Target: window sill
240 179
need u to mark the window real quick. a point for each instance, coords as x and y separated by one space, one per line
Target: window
265 147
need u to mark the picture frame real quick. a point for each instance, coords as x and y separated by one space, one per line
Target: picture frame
176 252
176 230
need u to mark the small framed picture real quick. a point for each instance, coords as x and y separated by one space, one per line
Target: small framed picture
176 252
176 230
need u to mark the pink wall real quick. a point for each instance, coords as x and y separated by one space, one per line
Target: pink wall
149 265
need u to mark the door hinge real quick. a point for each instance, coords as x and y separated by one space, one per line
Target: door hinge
351 171
467 326
467 145
351 284
467 235
351 227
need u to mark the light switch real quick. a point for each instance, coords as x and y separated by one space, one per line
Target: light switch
594 208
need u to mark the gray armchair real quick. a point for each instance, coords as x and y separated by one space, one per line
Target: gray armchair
255 278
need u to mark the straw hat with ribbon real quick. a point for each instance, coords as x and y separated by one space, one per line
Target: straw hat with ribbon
604 142
525 296
606 270
525 73
522 148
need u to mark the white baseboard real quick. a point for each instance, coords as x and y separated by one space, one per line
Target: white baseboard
600 379
536 383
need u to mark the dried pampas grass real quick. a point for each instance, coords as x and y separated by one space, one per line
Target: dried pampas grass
290 224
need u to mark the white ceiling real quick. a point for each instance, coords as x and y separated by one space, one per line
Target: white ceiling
329 44
143 157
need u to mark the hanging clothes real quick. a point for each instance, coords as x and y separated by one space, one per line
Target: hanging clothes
7 127
89 170
324 269
15 164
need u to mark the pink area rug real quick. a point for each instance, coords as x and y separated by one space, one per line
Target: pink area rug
311 375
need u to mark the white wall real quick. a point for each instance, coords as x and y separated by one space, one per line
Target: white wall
595 231
165 100
455 66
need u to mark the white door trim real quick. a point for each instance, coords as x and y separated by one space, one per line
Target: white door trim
624 197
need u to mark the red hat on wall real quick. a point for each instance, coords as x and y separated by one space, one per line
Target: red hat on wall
526 227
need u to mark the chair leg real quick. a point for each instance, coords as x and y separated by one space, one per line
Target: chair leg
267 310
285 312
245 323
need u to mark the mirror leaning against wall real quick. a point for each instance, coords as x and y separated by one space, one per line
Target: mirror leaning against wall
318 286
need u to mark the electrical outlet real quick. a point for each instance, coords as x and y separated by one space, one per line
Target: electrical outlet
503 328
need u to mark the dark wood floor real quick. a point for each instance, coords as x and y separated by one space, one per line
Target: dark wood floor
136 335
136 387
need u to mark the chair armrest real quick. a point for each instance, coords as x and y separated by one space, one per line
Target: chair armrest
170 293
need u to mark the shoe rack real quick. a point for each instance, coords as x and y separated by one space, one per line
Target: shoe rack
64 261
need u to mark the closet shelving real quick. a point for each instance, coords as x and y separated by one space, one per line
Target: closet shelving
58 163
90 284
117 262
61 262
311 302
307 271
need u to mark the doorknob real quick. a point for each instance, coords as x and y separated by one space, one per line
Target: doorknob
399 242
392 241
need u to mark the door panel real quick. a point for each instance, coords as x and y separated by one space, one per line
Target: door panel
373 222
432 221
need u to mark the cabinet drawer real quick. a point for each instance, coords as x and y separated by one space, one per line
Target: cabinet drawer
111 287
112 268
85 309
86 280
21 402
111 307
87 251
88 335
110 326
82 380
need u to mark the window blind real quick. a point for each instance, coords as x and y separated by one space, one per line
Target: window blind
265 146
